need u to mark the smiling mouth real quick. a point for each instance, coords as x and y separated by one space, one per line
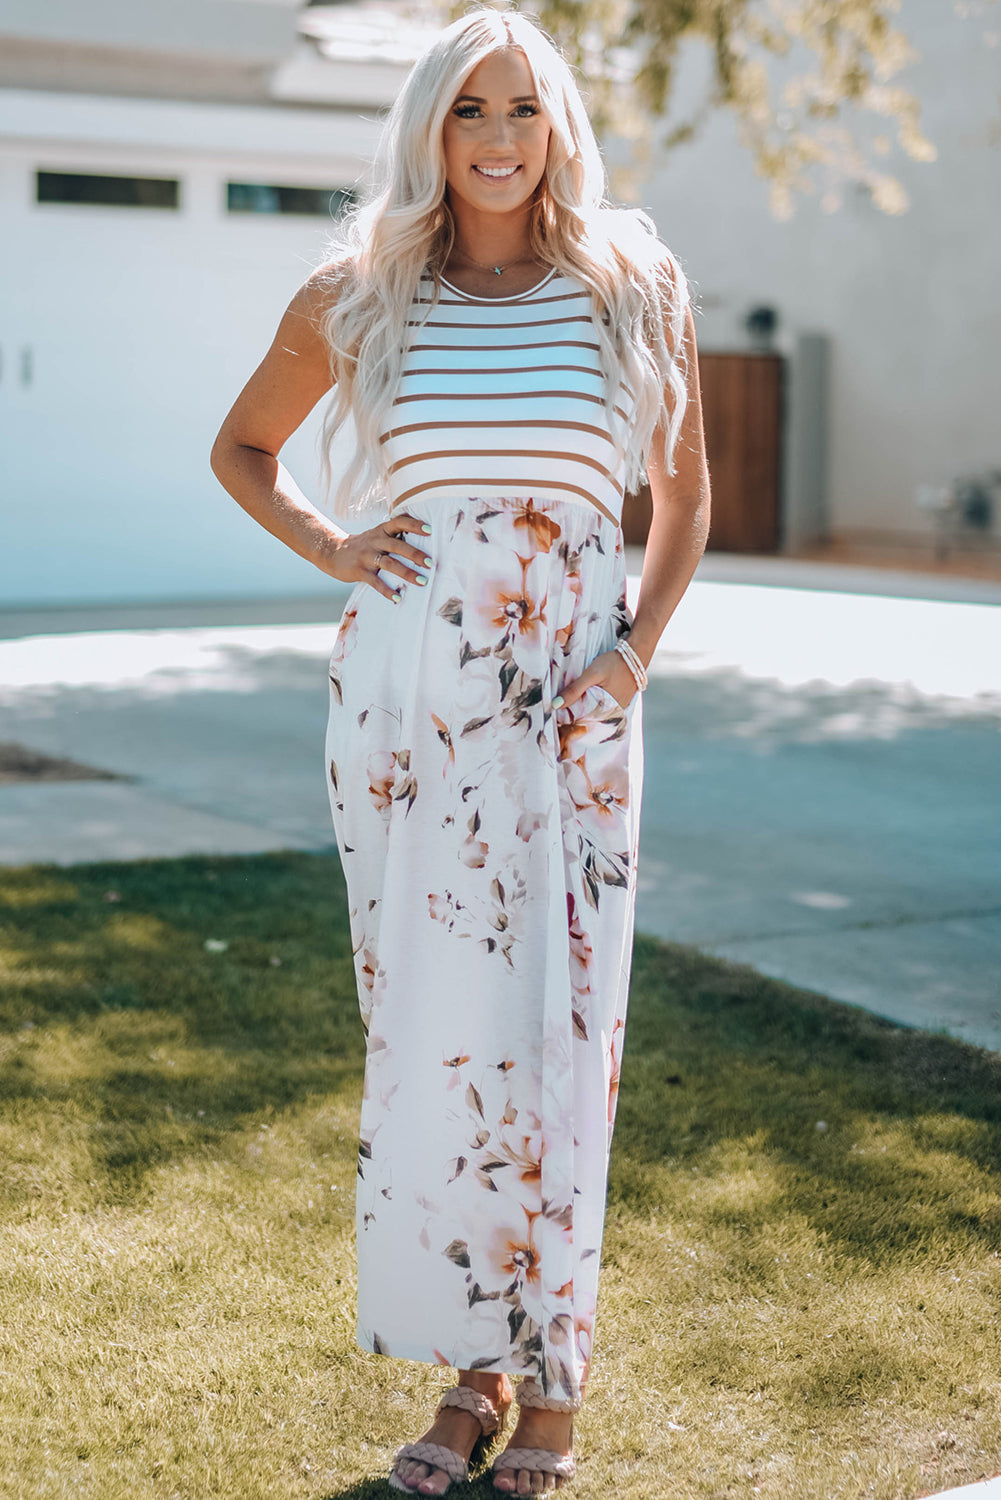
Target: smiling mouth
497 174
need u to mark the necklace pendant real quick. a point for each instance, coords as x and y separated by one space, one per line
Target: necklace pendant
498 269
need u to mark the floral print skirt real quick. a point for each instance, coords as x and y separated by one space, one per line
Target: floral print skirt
489 846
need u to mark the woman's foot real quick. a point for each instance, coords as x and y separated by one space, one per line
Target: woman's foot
457 1430
551 1430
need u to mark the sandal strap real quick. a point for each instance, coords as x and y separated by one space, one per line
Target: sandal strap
454 1465
530 1393
537 1460
478 1405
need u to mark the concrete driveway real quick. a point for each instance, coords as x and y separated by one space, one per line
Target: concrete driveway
823 765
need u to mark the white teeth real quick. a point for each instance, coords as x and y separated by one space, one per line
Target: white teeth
497 171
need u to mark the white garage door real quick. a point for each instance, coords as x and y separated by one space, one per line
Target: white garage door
125 335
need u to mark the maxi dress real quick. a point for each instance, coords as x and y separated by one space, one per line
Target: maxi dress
489 844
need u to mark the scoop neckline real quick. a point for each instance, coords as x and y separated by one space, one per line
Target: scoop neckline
516 297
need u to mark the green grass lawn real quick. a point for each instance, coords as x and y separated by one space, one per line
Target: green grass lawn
802 1269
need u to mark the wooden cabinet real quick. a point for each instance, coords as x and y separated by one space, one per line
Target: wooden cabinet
742 412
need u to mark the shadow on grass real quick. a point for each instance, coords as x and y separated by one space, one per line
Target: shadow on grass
480 1486
369 1489
190 994
196 992
880 1136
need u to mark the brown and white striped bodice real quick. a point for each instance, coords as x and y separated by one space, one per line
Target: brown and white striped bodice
504 396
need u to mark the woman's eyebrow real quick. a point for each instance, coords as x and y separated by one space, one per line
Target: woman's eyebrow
521 99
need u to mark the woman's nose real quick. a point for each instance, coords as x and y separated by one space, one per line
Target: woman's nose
501 133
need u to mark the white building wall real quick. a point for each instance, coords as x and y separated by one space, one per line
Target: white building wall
911 303
228 28
126 334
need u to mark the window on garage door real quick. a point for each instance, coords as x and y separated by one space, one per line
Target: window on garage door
109 191
279 198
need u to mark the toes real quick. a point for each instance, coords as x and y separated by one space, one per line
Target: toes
412 1473
436 1483
526 1482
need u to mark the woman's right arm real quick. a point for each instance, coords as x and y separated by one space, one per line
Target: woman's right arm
277 399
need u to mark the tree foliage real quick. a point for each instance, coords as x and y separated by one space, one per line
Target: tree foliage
812 83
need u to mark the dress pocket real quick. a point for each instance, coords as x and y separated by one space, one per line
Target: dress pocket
596 725
610 701
595 735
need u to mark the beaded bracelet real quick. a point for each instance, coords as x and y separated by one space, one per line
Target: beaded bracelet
633 662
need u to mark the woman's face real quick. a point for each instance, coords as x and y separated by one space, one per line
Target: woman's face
496 137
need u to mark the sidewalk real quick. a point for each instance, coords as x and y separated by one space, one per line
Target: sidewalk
986 1489
823 765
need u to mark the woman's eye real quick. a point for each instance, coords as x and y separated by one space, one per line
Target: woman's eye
470 111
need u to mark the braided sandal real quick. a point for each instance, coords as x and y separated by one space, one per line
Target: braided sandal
538 1460
491 1419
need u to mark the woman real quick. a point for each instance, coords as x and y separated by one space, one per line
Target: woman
514 353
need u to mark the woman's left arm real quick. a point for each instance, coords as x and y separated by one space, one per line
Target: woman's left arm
680 525
676 540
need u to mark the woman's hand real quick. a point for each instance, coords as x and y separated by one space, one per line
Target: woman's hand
293 376
608 671
359 556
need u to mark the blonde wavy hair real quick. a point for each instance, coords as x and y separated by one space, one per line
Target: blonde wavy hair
403 229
